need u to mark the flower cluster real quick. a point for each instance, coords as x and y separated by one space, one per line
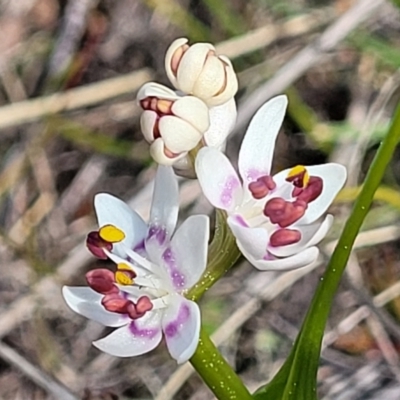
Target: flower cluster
143 296
201 110
277 219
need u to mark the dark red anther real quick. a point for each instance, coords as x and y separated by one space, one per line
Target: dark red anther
96 245
298 179
284 237
145 103
115 302
102 281
156 129
284 213
311 192
262 186
137 310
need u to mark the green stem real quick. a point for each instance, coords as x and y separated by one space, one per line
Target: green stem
207 360
216 372
319 311
222 255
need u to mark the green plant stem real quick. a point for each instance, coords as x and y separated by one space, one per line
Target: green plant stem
297 378
222 255
207 360
216 372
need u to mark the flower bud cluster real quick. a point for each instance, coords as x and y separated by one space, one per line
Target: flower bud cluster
200 112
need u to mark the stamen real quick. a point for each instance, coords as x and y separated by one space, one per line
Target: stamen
284 237
261 187
125 274
141 261
299 176
311 192
111 234
115 303
96 245
164 106
284 213
119 304
101 280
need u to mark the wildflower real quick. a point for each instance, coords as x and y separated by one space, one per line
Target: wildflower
199 71
143 297
277 220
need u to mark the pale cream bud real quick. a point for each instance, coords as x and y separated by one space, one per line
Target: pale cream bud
199 71
171 124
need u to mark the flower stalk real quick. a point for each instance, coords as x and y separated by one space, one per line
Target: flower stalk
216 372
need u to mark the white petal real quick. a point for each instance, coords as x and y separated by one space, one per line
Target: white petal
158 154
192 110
222 121
256 152
211 80
147 122
231 85
334 176
87 302
186 259
165 203
300 260
218 179
191 66
253 240
310 236
181 326
178 135
111 210
136 338
153 89
168 57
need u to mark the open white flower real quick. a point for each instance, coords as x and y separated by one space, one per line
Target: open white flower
199 71
277 220
143 298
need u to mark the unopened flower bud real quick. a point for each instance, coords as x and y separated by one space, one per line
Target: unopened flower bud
172 124
199 71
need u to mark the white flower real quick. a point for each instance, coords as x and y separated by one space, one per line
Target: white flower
143 298
199 71
277 220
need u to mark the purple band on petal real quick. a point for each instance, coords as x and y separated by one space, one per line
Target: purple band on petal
145 332
140 248
268 256
227 192
157 233
253 175
241 221
173 327
178 279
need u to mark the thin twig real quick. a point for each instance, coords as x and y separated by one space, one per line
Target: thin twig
41 378
31 110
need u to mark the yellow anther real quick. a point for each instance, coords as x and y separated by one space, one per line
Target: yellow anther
122 278
111 234
301 172
124 267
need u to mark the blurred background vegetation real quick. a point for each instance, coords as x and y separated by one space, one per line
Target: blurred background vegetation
69 72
